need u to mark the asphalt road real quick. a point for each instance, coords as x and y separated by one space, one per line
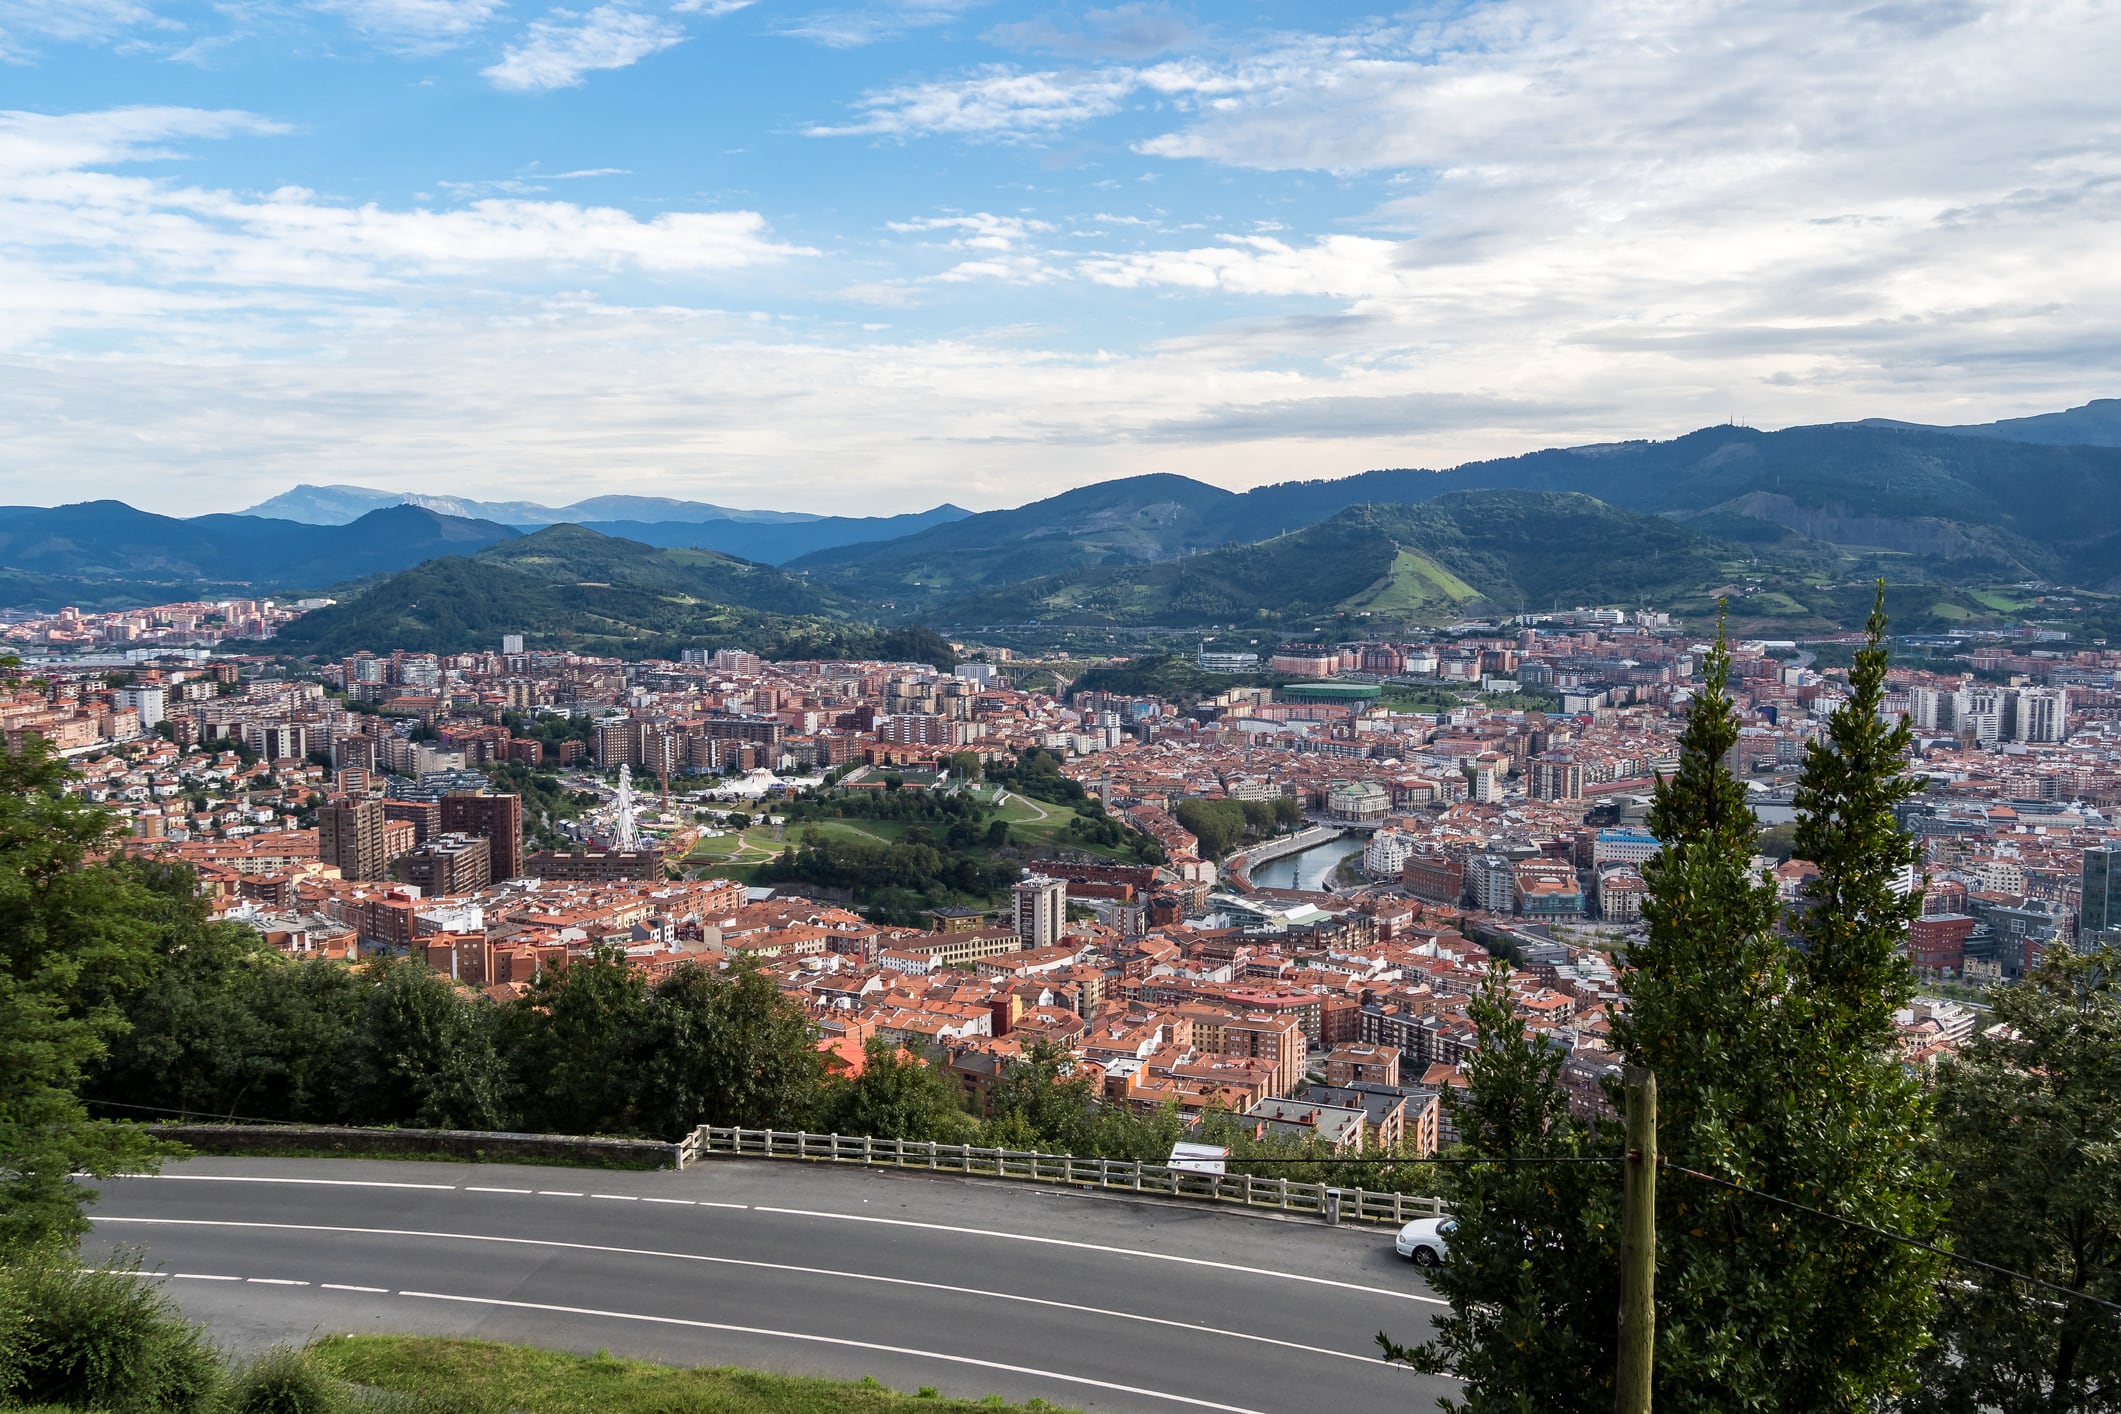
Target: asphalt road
1089 1301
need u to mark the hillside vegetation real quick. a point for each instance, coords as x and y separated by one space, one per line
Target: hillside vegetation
1484 549
1962 506
573 589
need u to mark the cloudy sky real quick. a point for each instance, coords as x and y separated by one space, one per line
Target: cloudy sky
865 257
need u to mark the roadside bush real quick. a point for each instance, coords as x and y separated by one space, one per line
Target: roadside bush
99 1337
285 1380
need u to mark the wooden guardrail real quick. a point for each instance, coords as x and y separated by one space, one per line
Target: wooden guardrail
1334 1204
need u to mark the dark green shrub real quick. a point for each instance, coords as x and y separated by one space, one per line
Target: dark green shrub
285 1380
99 1337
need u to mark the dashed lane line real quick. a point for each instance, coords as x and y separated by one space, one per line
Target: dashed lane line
320 1182
1102 1247
829 1273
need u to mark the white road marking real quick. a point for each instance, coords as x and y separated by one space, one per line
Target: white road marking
324 1182
683 1202
616 1197
200 1276
839 1341
274 1281
365 1290
851 1217
830 1273
1117 1251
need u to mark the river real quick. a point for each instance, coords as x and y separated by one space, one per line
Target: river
1307 869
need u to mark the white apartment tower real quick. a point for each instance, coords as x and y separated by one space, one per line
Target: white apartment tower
1039 910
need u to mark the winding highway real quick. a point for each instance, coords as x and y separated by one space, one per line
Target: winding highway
1090 1301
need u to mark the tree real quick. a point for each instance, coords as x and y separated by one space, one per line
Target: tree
2028 1117
725 1048
1856 1123
899 1096
574 1045
1042 1102
230 1026
420 1055
1705 1012
1533 1279
75 940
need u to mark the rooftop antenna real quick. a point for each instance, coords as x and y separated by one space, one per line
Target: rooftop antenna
626 834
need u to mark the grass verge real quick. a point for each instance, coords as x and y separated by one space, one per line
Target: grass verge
476 1375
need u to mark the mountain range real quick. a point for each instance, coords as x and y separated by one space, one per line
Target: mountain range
1787 524
1943 505
569 587
96 543
770 537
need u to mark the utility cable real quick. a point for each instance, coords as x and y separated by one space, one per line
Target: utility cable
1899 1237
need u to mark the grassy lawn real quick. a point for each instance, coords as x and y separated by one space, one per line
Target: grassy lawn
473 1375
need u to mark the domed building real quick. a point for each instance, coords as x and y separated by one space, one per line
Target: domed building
1358 802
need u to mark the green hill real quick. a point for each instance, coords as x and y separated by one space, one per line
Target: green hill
1480 553
1957 507
1477 550
573 589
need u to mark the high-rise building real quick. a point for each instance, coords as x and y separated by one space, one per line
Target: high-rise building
1556 775
1039 910
350 836
152 703
447 864
2100 908
2043 714
497 819
511 643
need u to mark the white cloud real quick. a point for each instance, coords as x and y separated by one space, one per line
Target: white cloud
980 230
712 9
997 101
413 20
24 22
558 50
875 21
85 248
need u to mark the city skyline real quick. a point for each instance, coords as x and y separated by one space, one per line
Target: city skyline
881 256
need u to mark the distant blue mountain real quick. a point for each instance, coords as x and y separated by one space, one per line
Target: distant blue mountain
771 543
109 540
341 505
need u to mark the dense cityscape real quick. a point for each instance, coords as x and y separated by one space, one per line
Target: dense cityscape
1314 979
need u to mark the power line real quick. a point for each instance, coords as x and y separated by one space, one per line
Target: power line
1899 1237
193 1114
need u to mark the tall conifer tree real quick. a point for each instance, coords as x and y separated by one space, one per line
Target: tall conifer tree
1857 1142
1704 1012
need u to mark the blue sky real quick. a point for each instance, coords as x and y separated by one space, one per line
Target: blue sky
868 257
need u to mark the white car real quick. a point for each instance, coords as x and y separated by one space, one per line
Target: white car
1426 1241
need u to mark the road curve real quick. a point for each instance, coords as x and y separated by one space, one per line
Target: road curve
1089 1301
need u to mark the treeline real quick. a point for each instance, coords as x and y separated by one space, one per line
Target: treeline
1223 825
891 803
1036 772
899 880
